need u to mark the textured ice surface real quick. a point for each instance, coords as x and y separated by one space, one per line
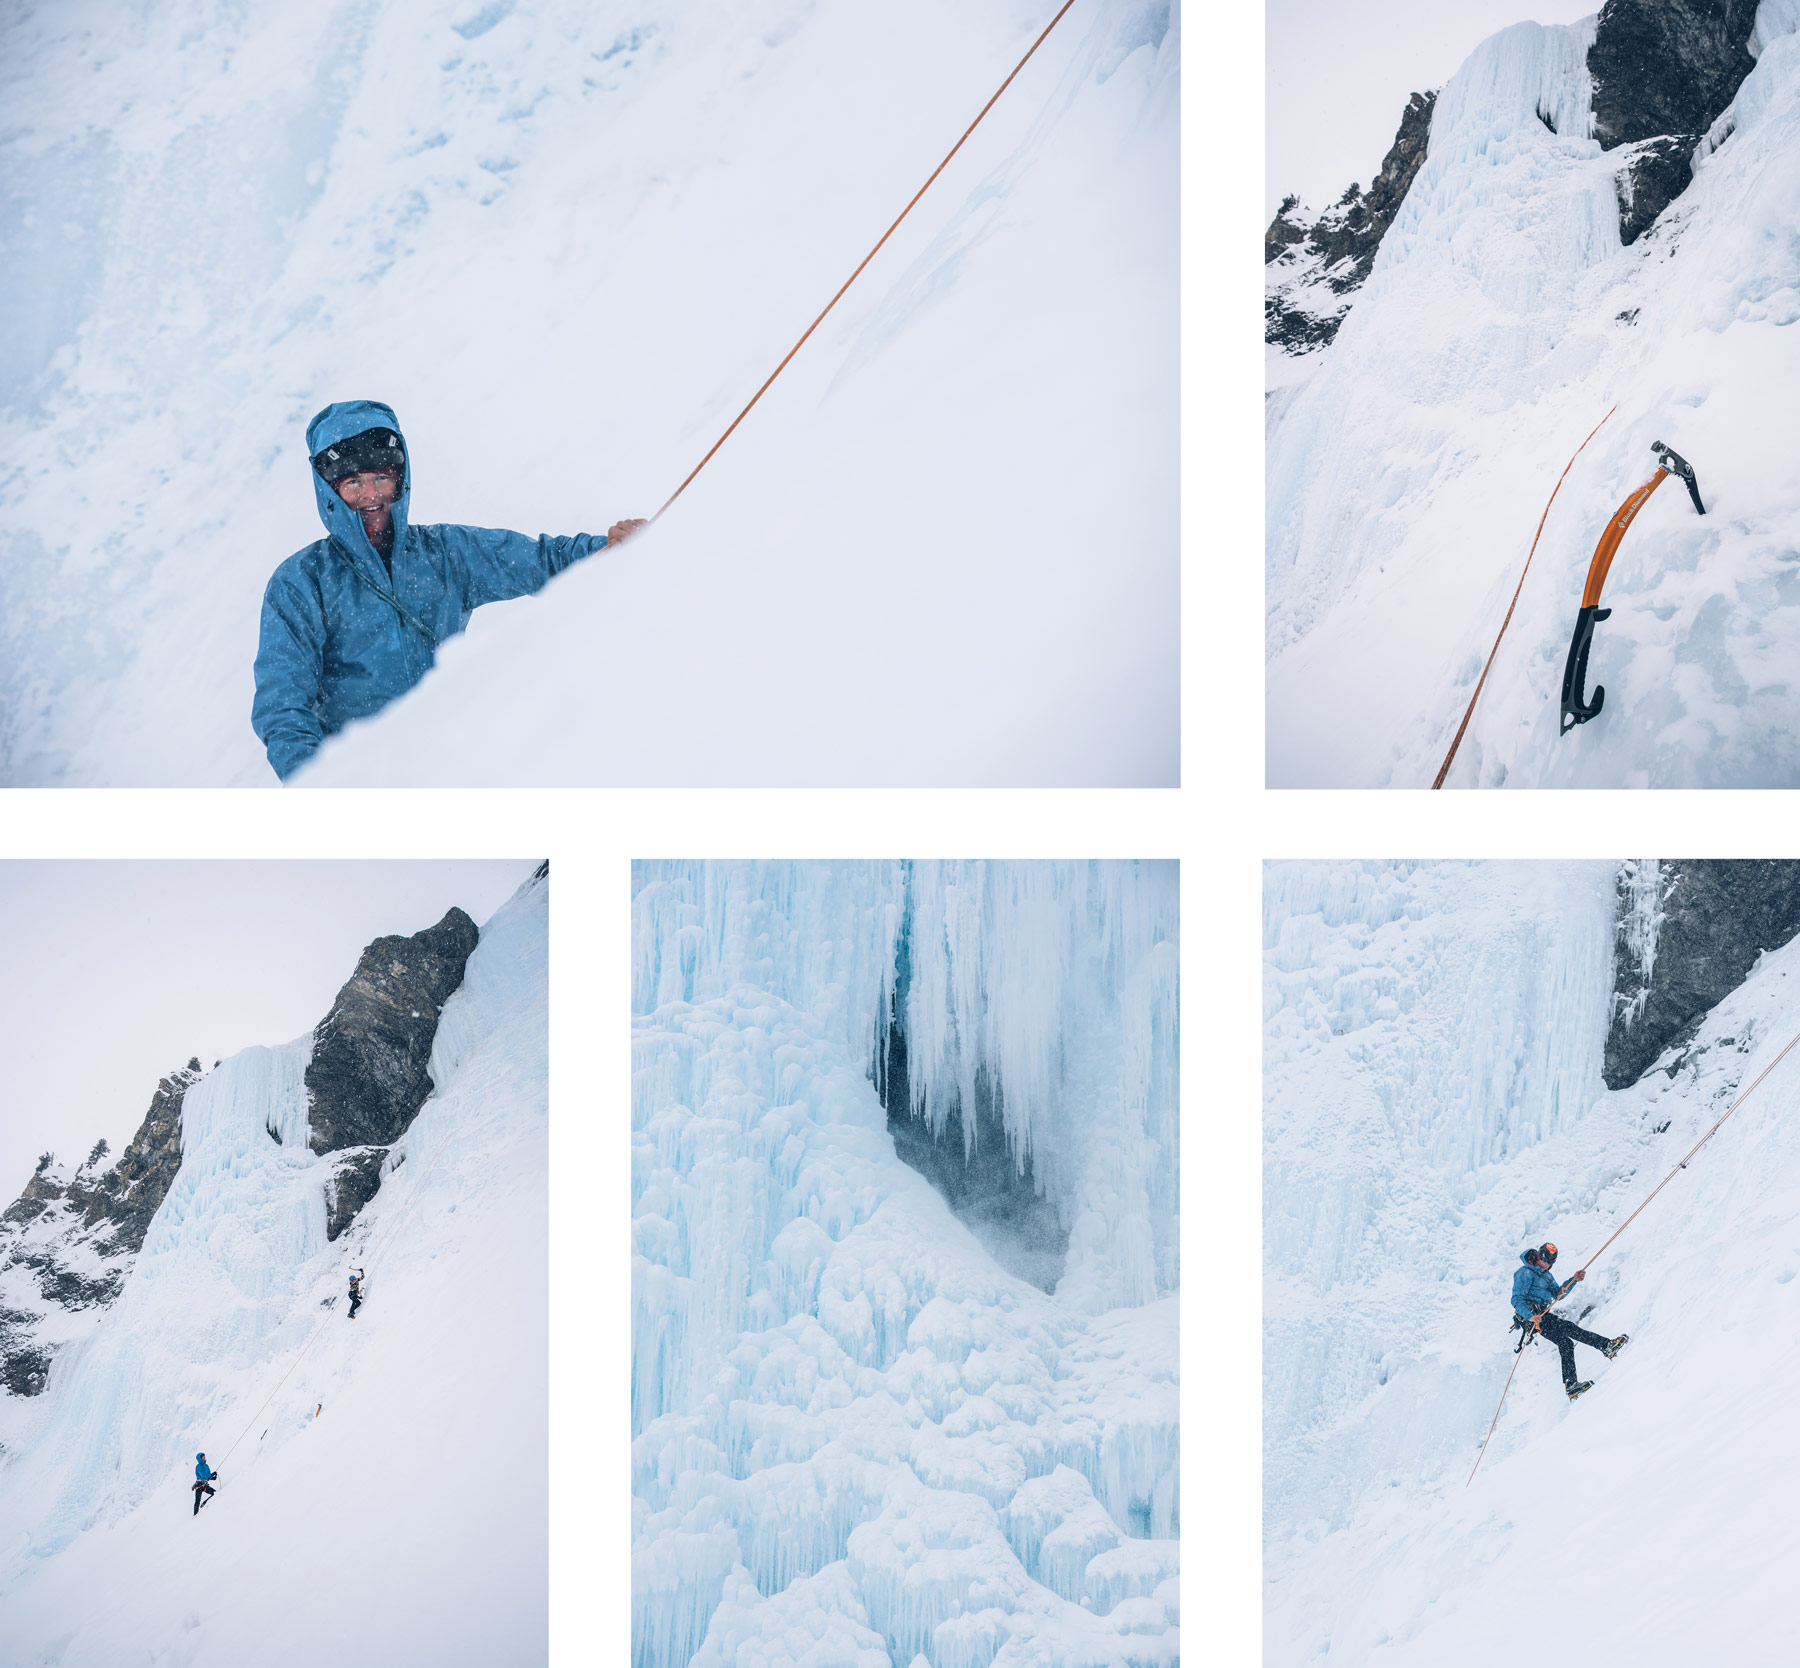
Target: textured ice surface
1433 1106
567 243
1503 319
426 1448
853 1431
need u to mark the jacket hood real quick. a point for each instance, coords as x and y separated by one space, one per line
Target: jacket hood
339 421
1524 1256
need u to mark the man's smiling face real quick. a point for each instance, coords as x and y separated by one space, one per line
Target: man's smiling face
371 493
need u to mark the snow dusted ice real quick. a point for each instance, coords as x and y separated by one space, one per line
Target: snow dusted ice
857 1437
1434 1105
567 244
1406 474
407 1521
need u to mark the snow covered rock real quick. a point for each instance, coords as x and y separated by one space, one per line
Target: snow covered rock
1690 930
68 1241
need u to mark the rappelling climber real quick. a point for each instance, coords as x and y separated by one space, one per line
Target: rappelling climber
203 1476
355 619
356 1291
1533 1292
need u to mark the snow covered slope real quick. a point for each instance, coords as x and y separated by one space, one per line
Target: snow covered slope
1433 1106
567 244
383 1484
1501 323
856 1434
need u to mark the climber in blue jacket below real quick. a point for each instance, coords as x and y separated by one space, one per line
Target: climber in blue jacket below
1533 1291
355 619
203 1476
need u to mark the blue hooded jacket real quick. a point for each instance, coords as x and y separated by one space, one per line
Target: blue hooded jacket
1534 1285
203 1473
339 639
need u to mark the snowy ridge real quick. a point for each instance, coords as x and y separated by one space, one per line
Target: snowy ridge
1503 320
233 1283
567 246
851 1425
1376 1550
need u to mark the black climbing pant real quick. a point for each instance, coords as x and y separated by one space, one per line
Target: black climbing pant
199 1490
355 1303
1566 1335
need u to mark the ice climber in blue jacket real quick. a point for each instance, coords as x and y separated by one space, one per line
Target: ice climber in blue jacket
203 1476
355 619
1533 1291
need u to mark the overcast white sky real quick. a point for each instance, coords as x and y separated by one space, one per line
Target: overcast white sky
1339 76
112 974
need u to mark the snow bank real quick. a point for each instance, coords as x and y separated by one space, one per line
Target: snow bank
567 246
1502 322
1386 1346
234 1280
850 1423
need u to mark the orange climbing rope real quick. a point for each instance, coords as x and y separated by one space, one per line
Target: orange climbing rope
1792 1044
864 262
1449 758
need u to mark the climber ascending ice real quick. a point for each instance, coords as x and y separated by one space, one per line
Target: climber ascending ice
356 1292
1534 1291
203 1476
355 619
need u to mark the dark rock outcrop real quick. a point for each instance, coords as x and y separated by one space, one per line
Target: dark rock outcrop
1718 916
1663 71
354 1182
368 1076
1314 271
68 1241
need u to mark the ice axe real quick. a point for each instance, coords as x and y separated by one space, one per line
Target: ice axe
1575 708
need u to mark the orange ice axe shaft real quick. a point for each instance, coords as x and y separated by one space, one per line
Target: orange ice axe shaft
1575 708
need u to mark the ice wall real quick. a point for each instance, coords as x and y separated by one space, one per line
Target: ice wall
1502 323
1388 1556
1425 1025
841 1403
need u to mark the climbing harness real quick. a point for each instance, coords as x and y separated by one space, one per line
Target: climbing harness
864 262
1569 1284
1574 709
1449 758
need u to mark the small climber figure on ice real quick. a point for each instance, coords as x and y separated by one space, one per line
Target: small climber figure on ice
356 618
1533 1292
356 1291
203 1476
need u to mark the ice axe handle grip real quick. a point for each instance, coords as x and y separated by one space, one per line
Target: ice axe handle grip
1576 710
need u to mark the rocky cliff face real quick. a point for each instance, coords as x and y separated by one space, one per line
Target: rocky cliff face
1663 72
1688 932
69 1240
369 1076
1313 272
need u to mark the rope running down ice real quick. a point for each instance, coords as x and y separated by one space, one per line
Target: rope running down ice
1792 1043
864 262
369 1256
1449 758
